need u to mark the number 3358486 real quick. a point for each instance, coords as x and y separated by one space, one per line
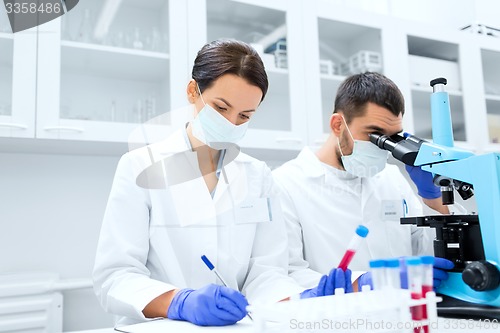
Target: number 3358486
32 8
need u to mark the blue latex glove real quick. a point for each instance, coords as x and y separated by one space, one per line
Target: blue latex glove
365 279
212 305
439 271
328 283
423 180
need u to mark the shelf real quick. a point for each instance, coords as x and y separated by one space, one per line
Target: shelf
330 77
116 62
428 90
276 70
7 36
492 97
114 49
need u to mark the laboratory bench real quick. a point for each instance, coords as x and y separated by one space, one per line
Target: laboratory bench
443 325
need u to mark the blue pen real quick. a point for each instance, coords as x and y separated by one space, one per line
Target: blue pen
212 268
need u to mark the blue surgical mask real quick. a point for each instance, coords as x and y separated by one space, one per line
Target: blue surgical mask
214 130
366 159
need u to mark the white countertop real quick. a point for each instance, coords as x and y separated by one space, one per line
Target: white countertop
446 325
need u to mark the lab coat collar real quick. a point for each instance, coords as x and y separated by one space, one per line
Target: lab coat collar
316 168
176 143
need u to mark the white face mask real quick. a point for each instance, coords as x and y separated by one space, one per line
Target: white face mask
214 130
366 159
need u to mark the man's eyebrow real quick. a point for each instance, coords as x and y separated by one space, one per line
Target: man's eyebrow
229 104
375 128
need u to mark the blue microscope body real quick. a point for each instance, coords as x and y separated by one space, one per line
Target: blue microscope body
471 241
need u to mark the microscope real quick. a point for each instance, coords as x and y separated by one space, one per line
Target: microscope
472 242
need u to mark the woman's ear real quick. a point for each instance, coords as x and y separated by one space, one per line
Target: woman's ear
335 124
192 91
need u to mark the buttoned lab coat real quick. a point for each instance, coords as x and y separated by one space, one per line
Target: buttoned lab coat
154 231
323 206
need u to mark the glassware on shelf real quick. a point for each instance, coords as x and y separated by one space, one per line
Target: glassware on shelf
144 109
150 107
112 111
137 42
155 44
86 30
138 111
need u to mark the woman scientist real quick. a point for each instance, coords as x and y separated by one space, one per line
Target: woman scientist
195 194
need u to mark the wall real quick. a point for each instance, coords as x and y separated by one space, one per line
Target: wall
51 207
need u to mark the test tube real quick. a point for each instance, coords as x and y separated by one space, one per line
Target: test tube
378 273
392 273
427 283
361 232
414 269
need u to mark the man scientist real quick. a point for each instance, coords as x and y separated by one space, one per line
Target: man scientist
326 194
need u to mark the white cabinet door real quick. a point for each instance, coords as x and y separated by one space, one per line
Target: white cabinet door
274 27
340 43
104 70
433 53
489 54
17 80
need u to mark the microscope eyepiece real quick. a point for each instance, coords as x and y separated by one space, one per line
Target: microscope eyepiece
403 149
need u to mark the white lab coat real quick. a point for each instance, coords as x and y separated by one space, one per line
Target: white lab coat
324 205
153 236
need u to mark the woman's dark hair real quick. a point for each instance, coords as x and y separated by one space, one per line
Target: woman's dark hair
226 56
358 90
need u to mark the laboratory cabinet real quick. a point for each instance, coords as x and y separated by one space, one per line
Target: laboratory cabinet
98 72
274 29
17 82
457 56
432 53
490 60
104 70
338 43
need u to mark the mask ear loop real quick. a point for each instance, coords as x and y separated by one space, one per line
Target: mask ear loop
348 131
199 92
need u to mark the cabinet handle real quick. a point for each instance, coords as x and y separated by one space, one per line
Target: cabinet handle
64 128
282 140
15 126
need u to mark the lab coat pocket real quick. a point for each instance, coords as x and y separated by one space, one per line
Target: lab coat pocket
253 210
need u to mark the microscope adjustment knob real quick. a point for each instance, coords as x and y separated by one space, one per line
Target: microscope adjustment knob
481 276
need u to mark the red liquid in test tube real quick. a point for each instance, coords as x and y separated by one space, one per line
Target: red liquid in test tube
361 232
346 259
414 270
427 284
